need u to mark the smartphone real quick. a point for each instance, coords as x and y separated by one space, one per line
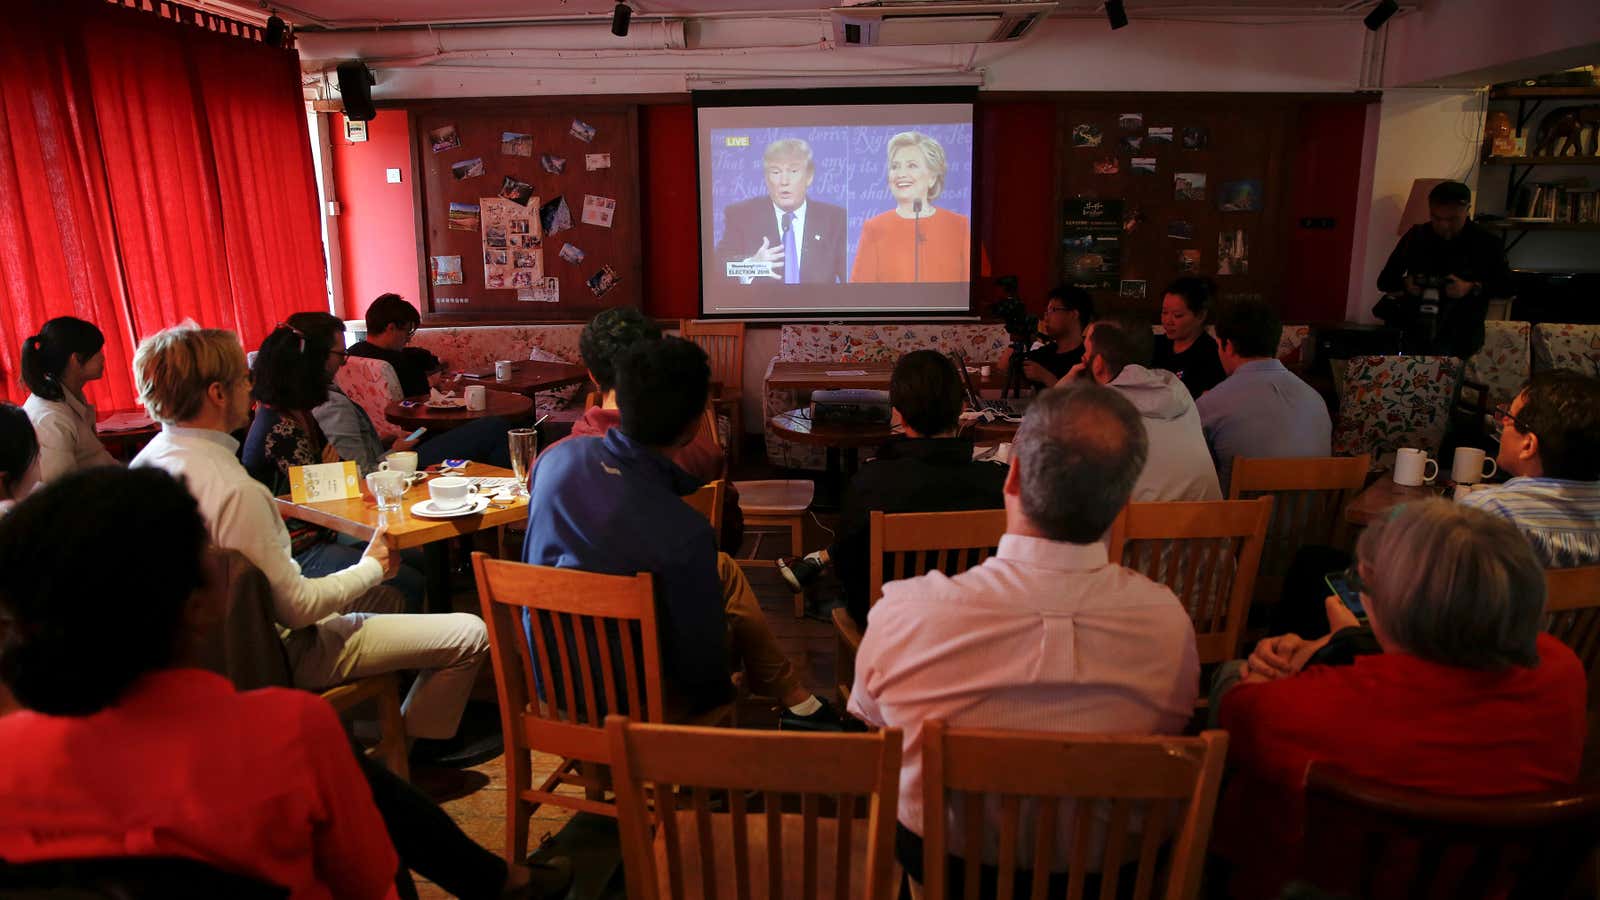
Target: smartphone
415 436
1339 583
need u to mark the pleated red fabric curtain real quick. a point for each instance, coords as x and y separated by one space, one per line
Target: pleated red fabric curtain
57 252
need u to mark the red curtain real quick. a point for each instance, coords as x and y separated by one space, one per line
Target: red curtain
193 162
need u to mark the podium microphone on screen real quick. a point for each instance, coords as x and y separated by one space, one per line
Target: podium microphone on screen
916 240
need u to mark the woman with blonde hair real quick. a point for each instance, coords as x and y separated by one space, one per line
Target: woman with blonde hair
915 241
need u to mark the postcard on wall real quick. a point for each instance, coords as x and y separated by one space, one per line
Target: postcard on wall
464 217
598 210
1130 121
444 138
467 168
1132 218
1133 290
510 234
1085 135
519 192
1188 261
515 143
1180 229
595 161
1130 143
603 281
445 269
571 254
1190 185
1233 253
1106 165
1240 196
1159 134
1091 238
555 165
581 130
543 290
1143 165
556 216
1196 138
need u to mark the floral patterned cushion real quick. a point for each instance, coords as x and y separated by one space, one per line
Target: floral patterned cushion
1391 402
479 347
1566 347
372 384
1503 363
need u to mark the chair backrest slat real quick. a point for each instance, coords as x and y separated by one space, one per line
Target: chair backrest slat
741 844
905 545
1572 607
1310 496
708 502
723 343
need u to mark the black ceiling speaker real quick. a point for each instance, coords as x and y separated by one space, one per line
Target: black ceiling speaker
275 31
355 86
1380 14
1116 15
620 18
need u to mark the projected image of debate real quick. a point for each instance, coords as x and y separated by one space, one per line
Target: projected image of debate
800 213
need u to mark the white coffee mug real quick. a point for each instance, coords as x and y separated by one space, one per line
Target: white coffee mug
400 461
477 396
1411 467
1468 466
502 370
450 492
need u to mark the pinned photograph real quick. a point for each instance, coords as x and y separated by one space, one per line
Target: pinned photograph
495 280
1196 138
1159 134
495 258
1106 165
556 216
1130 142
1233 253
519 226
555 165
603 281
523 279
494 236
581 130
598 210
1132 218
518 192
593 162
1190 185
463 217
1085 135
1144 165
1132 290
523 259
444 138
543 290
571 254
1240 196
445 269
1180 229
467 168
1130 121
1188 261
514 143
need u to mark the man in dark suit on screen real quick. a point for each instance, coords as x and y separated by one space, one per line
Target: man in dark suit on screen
803 240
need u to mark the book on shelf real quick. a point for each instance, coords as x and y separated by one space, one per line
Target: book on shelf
1556 202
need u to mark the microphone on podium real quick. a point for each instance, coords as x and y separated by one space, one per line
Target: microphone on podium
916 240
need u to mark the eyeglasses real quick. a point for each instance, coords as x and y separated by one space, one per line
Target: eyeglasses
1502 413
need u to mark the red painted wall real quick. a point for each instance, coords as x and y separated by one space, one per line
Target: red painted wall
1016 193
377 224
1324 178
671 216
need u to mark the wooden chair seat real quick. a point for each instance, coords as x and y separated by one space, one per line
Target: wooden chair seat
791 834
779 503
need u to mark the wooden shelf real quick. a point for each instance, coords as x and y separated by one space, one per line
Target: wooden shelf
1545 93
1542 161
1541 226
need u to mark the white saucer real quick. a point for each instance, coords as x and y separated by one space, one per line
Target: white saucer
476 504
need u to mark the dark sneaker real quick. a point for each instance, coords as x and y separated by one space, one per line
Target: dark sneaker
825 719
799 572
549 878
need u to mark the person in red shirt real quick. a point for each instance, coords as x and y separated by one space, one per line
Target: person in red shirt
1467 698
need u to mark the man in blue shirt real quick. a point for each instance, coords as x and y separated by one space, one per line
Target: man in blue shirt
613 505
1550 444
1262 409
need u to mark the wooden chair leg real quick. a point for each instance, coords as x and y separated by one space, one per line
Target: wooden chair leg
519 776
392 747
797 549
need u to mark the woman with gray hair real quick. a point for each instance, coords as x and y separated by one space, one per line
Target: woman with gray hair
1467 697
914 242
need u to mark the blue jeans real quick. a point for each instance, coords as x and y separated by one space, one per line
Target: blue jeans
329 557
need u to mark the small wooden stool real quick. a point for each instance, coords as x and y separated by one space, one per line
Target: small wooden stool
780 503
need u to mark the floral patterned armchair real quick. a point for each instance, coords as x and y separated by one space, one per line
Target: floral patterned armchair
1557 346
1502 365
1389 402
372 384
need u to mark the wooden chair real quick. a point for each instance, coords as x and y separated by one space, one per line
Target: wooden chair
1207 552
750 846
708 502
905 545
1309 497
1374 841
775 503
567 720
723 343
1572 603
1122 790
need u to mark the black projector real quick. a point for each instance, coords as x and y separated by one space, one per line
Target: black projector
852 406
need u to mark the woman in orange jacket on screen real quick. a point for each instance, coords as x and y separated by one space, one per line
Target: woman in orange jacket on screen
914 241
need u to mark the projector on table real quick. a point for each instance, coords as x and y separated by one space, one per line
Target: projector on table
851 406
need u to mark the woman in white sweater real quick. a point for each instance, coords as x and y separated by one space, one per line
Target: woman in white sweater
57 362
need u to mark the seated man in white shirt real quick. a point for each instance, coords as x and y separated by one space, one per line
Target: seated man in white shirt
1047 634
194 382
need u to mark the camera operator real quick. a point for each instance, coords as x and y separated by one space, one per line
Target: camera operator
1068 311
1440 277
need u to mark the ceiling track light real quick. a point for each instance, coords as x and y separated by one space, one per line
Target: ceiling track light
1380 14
1116 15
620 16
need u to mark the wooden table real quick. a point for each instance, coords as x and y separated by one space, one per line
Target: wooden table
528 377
122 438
1377 498
813 376
497 403
359 518
842 443
997 432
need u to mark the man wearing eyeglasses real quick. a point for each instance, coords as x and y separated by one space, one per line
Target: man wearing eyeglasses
1067 312
391 322
1550 445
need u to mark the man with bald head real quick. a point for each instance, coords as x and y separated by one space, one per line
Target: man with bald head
1048 634
802 239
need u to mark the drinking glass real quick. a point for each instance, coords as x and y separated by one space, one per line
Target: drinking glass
524 447
387 487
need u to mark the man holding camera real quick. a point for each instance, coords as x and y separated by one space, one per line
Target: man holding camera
1440 277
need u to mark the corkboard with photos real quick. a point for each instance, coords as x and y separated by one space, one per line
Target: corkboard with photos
499 245
1154 186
